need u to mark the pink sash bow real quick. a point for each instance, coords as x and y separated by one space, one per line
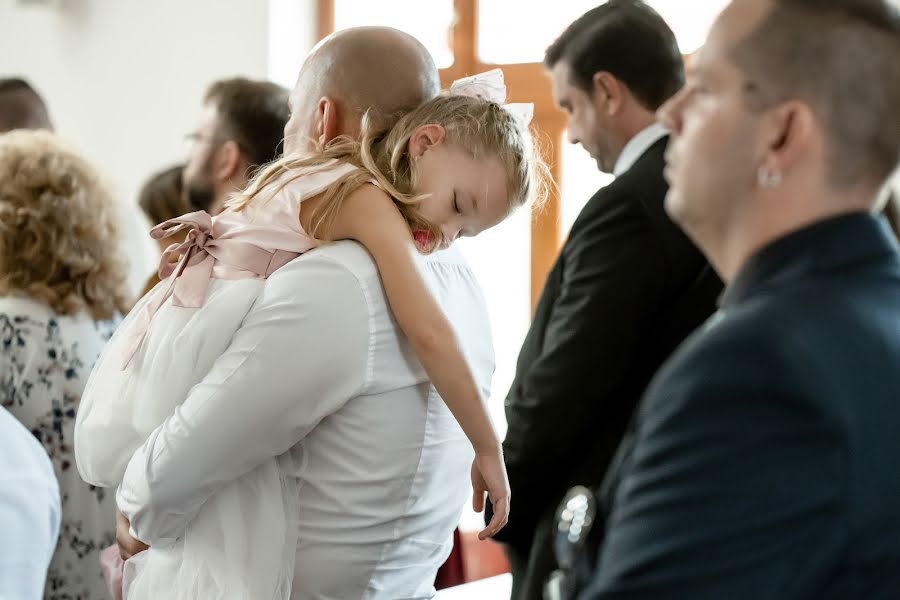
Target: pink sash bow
188 279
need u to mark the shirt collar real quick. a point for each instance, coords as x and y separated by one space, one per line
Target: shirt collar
833 243
637 145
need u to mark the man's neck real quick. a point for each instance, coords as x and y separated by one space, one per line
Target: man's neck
630 125
223 193
640 121
795 210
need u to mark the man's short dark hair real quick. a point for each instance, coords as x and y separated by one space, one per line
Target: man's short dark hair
21 107
628 39
842 58
12 84
253 113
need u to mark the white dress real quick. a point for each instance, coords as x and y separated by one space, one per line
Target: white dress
242 543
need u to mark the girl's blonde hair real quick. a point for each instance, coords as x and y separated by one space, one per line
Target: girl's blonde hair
482 128
58 231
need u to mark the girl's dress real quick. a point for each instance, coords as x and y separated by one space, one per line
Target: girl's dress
241 543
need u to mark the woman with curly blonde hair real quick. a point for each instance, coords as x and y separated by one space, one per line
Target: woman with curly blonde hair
62 289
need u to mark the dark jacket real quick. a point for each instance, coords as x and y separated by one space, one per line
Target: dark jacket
767 453
627 288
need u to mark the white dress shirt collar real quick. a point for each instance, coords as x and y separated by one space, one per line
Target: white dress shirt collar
637 145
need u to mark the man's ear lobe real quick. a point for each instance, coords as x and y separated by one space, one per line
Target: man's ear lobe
610 91
228 160
790 132
329 126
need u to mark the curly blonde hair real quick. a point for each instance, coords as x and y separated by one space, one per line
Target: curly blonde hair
58 232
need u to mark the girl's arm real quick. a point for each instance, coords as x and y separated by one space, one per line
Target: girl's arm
369 216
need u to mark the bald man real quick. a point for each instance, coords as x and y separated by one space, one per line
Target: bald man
343 77
321 371
21 107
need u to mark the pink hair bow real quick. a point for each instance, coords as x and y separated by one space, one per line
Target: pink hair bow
189 277
491 86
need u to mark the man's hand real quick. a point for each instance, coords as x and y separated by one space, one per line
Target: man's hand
128 546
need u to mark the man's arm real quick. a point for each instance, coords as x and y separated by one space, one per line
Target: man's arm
732 490
300 354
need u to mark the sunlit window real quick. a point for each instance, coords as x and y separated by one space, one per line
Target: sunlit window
579 181
499 258
428 20
537 23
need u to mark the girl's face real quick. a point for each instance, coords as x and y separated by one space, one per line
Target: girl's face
465 195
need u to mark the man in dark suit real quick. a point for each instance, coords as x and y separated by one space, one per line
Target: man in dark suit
628 287
766 461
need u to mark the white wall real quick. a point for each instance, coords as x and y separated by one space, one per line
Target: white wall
292 33
124 79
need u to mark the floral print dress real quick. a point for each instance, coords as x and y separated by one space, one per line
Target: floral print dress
45 361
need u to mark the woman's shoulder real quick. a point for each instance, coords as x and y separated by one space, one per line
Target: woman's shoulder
22 306
27 316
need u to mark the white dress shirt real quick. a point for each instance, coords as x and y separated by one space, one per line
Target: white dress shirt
320 370
29 511
637 145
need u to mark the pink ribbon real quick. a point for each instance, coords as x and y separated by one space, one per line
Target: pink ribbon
188 279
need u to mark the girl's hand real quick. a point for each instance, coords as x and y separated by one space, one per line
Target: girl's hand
128 546
489 476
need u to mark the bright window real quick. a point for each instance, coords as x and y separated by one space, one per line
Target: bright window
580 180
428 20
536 23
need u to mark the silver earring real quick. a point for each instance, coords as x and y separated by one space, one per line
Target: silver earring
768 178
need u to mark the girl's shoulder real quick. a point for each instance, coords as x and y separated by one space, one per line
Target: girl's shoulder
307 185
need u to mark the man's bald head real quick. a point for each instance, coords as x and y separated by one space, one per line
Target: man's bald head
21 107
365 68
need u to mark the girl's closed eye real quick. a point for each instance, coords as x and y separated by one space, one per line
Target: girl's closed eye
456 204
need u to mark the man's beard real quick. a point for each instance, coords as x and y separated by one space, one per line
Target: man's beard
199 195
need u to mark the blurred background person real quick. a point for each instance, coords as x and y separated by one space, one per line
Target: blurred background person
21 107
240 129
163 198
62 289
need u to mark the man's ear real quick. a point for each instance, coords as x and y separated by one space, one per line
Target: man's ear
328 124
609 92
425 137
787 135
227 161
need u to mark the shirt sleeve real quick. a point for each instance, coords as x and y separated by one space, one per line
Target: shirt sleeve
29 520
301 353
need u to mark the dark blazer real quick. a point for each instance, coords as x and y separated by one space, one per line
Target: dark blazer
767 454
627 288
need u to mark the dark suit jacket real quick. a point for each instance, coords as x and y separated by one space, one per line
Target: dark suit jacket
627 288
767 455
